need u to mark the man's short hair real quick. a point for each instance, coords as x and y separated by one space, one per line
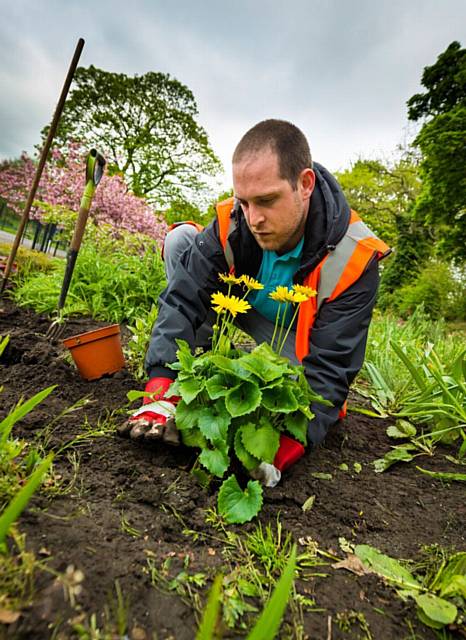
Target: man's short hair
284 139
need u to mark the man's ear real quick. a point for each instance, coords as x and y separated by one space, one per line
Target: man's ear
307 181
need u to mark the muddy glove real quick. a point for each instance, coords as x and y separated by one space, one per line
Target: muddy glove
155 419
288 453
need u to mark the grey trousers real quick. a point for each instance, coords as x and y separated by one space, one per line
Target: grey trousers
253 323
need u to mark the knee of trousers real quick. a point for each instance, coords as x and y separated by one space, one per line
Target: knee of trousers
177 240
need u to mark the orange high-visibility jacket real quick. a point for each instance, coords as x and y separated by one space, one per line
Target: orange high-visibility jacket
340 268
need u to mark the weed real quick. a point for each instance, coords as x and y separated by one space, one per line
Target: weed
346 619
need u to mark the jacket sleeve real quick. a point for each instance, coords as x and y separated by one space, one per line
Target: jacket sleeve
337 347
185 302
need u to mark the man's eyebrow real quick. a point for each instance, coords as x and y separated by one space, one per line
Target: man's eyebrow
262 196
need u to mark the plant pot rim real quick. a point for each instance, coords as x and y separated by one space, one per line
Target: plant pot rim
90 336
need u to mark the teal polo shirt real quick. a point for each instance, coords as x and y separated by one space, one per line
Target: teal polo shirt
275 271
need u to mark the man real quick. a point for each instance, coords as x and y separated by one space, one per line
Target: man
289 223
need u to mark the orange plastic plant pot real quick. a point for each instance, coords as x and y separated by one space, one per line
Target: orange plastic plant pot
97 353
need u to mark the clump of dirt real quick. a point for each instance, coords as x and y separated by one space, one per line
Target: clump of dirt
125 503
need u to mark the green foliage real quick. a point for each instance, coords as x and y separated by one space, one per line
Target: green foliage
147 128
384 378
436 401
437 290
236 505
29 262
113 280
443 197
441 141
382 192
136 349
20 465
445 82
440 595
239 404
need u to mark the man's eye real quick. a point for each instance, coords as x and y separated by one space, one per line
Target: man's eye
266 202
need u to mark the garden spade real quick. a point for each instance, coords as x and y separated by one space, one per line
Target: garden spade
95 164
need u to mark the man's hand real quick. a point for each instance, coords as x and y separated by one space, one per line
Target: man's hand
288 453
155 419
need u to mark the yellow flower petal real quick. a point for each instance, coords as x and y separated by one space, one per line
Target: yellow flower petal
233 304
307 291
251 283
229 278
281 294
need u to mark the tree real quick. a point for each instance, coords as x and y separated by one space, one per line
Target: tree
442 141
146 127
445 82
60 191
382 192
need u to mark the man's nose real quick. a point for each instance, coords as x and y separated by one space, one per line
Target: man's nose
256 215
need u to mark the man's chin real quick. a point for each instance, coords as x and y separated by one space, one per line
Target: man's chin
267 243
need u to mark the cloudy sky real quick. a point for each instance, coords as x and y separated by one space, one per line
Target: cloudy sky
341 70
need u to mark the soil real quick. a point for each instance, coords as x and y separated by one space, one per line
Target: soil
108 480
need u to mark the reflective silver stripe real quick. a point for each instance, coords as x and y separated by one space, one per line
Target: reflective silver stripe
229 257
335 265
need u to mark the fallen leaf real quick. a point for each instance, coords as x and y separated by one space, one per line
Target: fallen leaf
211 551
309 503
8 617
351 563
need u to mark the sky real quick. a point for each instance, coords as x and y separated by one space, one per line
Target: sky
341 70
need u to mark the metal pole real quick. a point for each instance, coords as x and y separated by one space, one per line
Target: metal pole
43 158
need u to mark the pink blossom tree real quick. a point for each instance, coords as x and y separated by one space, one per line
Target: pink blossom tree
61 188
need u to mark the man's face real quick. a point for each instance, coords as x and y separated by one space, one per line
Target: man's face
274 211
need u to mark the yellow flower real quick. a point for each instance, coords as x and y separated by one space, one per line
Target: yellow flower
251 283
299 297
282 294
222 303
306 291
229 278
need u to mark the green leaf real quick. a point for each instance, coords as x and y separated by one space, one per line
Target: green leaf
243 399
262 441
402 429
21 499
230 365
308 504
184 355
386 567
455 587
193 438
262 367
280 400
219 385
188 389
211 614
322 476
397 454
443 475
21 409
238 506
297 423
187 417
269 621
214 422
437 609
216 461
249 462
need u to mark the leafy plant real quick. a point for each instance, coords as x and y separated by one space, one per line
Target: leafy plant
440 598
234 402
139 341
114 280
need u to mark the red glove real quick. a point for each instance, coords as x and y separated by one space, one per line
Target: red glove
288 453
155 419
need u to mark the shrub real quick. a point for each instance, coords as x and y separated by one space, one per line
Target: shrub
28 262
114 279
441 292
